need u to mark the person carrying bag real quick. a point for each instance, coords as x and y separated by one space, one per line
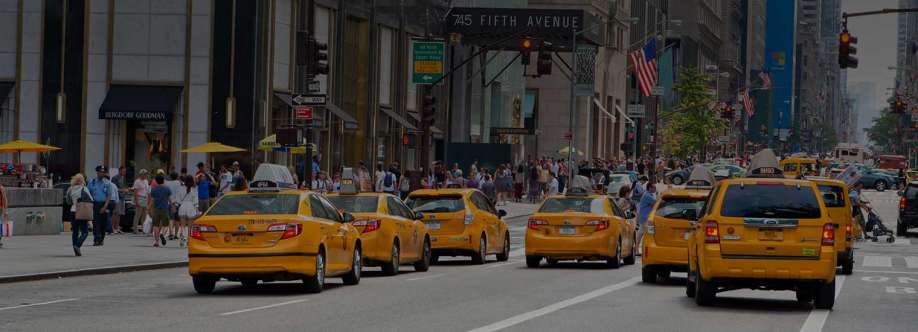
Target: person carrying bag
81 204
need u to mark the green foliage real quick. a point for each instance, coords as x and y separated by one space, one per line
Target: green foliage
884 132
694 123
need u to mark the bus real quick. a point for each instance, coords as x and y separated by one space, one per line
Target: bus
850 153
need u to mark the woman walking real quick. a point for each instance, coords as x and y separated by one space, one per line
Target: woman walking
188 209
78 195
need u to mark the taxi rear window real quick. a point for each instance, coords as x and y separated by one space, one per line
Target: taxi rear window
770 201
436 203
355 204
674 208
833 196
256 205
583 205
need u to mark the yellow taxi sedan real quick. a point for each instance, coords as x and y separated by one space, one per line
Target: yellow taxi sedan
390 232
764 232
273 234
462 222
580 227
838 203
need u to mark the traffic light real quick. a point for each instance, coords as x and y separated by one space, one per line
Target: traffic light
846 49
727 113
544 63
315 55
428 111
525 50
899 106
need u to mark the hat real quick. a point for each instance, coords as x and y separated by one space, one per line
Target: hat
235 163
143 171
101 169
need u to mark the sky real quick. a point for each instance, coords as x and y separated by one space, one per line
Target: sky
876 48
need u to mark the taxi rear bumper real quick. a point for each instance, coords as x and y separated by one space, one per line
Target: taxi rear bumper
596 245
723 268
265 266
447 244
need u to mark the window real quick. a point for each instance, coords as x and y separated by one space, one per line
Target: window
790 167
482 203
582 205
770 201
436 203
355 204
674 208
833 196
331 210
385 66
617 210
396 209
256 205
318 211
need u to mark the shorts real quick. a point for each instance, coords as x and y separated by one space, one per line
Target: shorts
119 208
203 205
160 218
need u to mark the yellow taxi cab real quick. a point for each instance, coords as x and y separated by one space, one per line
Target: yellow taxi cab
799 166
763 232
835 195
669 224
269 233
580 226
462 222
391 234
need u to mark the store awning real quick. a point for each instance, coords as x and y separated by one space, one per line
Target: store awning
603 109
398 118
285 97
5 88
349 121
140 102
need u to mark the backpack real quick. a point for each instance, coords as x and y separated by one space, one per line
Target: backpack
387 180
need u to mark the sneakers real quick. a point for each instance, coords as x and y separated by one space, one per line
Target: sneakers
162 238
77 252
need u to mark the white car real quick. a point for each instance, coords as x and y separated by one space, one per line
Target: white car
617 182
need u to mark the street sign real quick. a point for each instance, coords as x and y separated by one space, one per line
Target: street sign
428 59
635 111
309 100
656 91
304 112
511 131
723 139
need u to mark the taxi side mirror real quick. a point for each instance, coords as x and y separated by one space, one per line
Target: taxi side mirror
347 217
501 213
418 216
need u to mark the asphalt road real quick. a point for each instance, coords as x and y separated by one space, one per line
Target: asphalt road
882 295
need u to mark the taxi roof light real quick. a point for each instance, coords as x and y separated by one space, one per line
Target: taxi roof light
765 165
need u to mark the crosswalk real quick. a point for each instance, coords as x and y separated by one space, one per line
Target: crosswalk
910 262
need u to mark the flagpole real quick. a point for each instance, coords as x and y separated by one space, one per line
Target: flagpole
570 141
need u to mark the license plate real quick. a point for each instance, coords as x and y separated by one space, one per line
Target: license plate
685 235
771 235
241 238
433 225
567 230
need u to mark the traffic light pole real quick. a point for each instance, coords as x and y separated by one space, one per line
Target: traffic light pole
572 104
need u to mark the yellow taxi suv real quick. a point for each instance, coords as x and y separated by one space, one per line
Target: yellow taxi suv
764 232
669 226
462 222
838 204
273 234
391 234
582 227
797 166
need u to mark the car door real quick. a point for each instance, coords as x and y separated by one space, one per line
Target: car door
415 226
403 228
334 239
344 237
489 216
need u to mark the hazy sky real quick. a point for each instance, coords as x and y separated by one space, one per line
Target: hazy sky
876 46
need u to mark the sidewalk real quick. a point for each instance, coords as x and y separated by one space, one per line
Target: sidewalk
51 256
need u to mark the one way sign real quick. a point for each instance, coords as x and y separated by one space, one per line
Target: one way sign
309 100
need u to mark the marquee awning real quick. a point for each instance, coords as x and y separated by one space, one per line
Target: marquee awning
140 102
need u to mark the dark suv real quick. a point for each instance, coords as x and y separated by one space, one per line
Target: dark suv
908 209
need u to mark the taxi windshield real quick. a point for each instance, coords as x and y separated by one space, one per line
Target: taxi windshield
436 203
256 204
355 204
674 208
582 205
770 201
833 196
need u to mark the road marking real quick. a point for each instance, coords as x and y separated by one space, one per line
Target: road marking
817 318
881 272
877 261
263 307
501 264
911 262
427 277
518 252
36 304
557 306
902 242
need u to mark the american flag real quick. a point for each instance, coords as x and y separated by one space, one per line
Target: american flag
766 79
747 103
645 66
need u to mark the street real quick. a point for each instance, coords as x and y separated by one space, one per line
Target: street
456 296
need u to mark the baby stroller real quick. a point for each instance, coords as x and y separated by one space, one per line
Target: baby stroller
875 226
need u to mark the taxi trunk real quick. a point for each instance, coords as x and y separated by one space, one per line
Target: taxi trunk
235 232
446 223
671 232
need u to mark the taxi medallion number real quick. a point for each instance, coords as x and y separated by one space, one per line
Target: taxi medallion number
771 235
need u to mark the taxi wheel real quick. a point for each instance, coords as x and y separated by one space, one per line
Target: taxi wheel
204 285
249 282
824 295
705 293
424 264
690 285
353 277
391 268
533 261
316 283
552 262
616 261
504 255
805 294
630 260
479 257
848 266
648 275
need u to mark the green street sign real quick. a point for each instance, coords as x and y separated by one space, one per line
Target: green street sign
428 61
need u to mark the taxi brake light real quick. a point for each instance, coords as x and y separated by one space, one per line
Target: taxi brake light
290 230
651 228
901 203
369 225
600 224
197 231
534 224
711 234
828 235
848 232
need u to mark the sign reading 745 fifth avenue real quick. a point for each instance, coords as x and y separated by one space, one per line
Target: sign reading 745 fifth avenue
428 59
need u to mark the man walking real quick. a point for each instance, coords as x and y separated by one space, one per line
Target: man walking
203 181
386 182
159 204
101 196
644 207
120 183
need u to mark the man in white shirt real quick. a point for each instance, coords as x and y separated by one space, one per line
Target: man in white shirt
226 180
141 194
386 183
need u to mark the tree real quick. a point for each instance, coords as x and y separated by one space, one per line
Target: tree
884 133
694 123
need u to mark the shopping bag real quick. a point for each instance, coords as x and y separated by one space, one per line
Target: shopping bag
6 228
148 225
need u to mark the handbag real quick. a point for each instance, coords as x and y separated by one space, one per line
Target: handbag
84 207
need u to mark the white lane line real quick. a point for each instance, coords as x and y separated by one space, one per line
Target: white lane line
426 277
881 272
557 306
817 318
36 304
263 307
518 252
501 264
902 242
877 261
911 262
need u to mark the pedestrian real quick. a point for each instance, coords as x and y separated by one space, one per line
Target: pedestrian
203 181
101 196
622 200
226 180
321 183
112 205
553 186
404 186
4 210
79 226
120 182
159 205
188 209
854 194
176 187
336 182
385 181
363 177
535 191
637 190
644 207
488 188
141 194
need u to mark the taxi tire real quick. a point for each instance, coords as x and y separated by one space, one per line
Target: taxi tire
533 261
390 268
353 276
690 285
805 294
630 260
504 254
204 285
824 297
705 293
615 261
315 284
847 267
648 275
480 256
423 264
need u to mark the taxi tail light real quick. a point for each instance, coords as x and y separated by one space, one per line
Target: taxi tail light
368 225
650 227
600 224
711 235
901 203
534 224
197 231
468 218
290 230
828 235
848 234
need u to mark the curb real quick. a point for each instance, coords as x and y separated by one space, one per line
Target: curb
91 271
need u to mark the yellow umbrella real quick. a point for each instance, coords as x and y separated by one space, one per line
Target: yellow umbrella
19 146
213 147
